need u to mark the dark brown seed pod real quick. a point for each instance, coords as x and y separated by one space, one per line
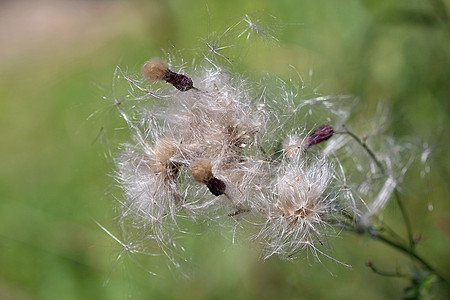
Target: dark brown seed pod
216 186
180 81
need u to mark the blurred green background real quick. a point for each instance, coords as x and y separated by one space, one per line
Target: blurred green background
56 55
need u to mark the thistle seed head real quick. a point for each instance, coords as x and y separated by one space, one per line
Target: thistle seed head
155 70
235 126
294 145
201 170
302 206
165 149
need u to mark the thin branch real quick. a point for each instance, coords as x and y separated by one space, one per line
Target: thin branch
368 150
410 252
396 245
396 193
405 216
384 273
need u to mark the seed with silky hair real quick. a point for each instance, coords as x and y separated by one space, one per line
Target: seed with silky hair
201 170
155 70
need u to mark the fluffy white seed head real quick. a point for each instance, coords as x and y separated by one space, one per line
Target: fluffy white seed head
301 207
294 145
238 127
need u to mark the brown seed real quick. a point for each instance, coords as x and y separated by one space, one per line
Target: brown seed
216 186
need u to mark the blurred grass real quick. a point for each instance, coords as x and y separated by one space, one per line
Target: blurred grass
53 180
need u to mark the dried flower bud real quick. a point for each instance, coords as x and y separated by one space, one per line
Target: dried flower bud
155 70
321 134
201 170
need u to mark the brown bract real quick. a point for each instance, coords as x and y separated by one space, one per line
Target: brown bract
201 170
165 149
155 70
163 165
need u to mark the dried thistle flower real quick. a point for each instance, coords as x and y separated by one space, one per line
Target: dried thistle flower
226 124
303 206
155 70
201 170
226 134
295 145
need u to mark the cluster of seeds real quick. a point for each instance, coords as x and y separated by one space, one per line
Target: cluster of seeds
205 151
213 146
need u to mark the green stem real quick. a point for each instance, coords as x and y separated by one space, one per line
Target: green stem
412 244
390 231
384 273
410 252
368 150
383 171
374 233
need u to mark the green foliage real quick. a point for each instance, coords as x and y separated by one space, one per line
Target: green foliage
419 287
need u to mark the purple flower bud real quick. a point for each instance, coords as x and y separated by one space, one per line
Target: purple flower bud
179 81
321 134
